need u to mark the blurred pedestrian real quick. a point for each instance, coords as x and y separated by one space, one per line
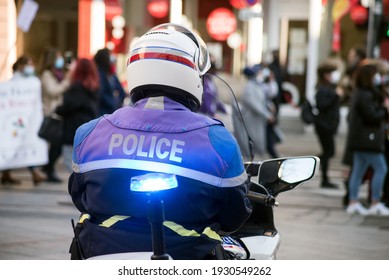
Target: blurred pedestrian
256 115
80 104
55 81
354 58
111 91
366 139
279 76
211 103
385 88
269 87
23 68
327 120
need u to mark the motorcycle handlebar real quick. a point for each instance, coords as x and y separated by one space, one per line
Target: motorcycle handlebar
265 199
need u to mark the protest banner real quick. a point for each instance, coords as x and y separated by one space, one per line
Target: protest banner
20 118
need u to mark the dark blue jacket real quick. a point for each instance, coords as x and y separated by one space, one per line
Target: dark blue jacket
158 135
111 93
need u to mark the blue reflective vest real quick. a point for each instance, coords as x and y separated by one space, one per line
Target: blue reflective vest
157 135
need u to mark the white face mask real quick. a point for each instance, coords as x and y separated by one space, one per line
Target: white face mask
377 79
335 76
266 73
260 78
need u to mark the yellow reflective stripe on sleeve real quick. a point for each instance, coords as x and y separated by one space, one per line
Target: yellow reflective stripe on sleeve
84 217
212 234
180 230
113 220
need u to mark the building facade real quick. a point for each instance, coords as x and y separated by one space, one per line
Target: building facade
303 32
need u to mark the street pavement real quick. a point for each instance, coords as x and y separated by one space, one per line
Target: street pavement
36 220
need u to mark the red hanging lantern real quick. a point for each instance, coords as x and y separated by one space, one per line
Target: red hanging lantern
240 4
221 22
359 15
158 8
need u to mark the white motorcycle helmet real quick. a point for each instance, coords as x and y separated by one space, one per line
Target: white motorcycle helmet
168 55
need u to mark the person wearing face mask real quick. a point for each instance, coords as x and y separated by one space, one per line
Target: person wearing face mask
255 112
366 139
55 81
111 92
23 68
327 121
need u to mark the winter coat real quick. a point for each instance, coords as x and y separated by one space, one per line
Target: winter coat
52 91
79 106
111 93
367 118
256 114
327 103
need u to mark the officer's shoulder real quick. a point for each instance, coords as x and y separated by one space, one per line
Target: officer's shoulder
84 130
220 137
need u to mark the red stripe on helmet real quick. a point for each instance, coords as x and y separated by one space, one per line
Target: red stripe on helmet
163 56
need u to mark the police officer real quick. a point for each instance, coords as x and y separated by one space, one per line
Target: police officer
160 132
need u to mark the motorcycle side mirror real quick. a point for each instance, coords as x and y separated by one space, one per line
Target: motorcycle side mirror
283 174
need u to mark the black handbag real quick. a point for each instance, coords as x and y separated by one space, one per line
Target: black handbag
51 129
307 115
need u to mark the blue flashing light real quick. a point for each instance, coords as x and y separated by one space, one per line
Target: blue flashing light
153 182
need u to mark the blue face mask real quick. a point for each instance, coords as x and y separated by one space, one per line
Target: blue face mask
29 70
59 62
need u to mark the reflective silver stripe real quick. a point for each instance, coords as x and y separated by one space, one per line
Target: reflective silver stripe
155 103
161 167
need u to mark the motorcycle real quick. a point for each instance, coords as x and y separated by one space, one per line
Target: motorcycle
258 238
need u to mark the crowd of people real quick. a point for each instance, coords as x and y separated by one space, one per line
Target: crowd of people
167 110
363 89
361 85
74 91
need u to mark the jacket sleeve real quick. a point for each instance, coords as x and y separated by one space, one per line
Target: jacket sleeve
76 184
76 189
235 208
371 111
234 205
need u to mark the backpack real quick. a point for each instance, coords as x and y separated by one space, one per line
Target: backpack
307 113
